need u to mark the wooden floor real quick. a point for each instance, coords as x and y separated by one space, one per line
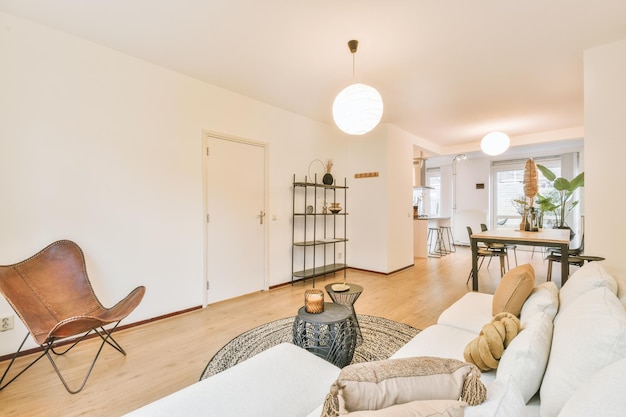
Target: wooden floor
169 354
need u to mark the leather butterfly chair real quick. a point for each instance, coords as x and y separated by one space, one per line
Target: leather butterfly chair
52 295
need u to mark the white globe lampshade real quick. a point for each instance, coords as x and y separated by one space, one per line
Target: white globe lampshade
495 143
357 109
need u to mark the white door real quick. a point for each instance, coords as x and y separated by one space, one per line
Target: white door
235 192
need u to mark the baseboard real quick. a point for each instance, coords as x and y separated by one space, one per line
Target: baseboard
121 327
350 268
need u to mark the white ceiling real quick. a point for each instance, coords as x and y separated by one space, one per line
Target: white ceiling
449 71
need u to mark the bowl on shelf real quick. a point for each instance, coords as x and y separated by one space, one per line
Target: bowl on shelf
335 210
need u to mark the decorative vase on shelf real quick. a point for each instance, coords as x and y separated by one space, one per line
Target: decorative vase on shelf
328 177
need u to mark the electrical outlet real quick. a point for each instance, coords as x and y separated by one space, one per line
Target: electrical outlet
6 323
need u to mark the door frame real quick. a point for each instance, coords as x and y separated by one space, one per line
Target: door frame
206 134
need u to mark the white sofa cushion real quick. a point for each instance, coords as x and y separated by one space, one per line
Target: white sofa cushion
471 312
589 276
284 380
503 400
543 298
425 408
441 341
526 357
601 395
621 288
588 335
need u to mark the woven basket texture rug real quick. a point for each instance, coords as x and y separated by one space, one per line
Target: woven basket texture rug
381 339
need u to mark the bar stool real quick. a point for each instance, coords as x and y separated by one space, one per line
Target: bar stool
446 233
435 251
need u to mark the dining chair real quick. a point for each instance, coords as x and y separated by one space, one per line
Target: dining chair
487 252
52 295
574 257
506 246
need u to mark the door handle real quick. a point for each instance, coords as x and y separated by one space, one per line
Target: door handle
261 216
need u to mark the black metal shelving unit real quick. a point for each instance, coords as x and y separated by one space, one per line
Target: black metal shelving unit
316 233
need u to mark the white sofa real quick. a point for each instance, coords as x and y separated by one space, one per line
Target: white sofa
569 360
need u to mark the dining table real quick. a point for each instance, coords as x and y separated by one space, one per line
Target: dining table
555 238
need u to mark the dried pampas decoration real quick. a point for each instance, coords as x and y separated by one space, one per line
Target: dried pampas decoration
531 187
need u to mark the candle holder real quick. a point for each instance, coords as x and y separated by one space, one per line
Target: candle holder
314 301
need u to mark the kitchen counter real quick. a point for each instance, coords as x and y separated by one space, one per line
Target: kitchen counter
420 237
420 233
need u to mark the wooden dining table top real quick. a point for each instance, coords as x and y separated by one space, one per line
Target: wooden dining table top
555 236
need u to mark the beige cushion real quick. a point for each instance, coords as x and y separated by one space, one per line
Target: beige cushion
513 290
381 384
543 298
589 276
601 395
427 408
526 357
589 335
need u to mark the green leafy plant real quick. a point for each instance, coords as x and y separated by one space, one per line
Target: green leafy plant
562 204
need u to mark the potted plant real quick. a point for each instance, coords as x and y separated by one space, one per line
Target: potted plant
562 204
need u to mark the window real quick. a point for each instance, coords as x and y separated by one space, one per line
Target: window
508 178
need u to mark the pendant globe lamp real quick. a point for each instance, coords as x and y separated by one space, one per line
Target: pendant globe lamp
495 143
358 108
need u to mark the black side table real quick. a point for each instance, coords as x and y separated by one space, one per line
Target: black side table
330 335
348 298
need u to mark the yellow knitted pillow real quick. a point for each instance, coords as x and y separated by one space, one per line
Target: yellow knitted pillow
486 350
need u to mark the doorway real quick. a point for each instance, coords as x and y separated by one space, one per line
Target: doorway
235 178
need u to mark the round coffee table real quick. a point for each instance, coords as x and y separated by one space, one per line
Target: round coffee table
331 335
347 298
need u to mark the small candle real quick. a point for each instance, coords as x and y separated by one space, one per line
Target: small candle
314 301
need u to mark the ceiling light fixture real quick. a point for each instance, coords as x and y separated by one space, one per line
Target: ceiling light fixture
495 143
358 108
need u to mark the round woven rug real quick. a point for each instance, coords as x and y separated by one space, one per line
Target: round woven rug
381 339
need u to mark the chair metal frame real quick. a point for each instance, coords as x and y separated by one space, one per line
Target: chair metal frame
22 284
488 252
506 246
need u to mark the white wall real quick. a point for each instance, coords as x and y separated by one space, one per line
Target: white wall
605 147
380 225
368 203
400 199
105 149
472 205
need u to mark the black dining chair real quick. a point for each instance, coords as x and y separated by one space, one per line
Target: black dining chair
506 246
487 252
554 255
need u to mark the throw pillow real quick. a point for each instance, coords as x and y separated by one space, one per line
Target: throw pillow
589 335
543 298
381 384
486 350
513 290
426 408
526 357
601 395
589 276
